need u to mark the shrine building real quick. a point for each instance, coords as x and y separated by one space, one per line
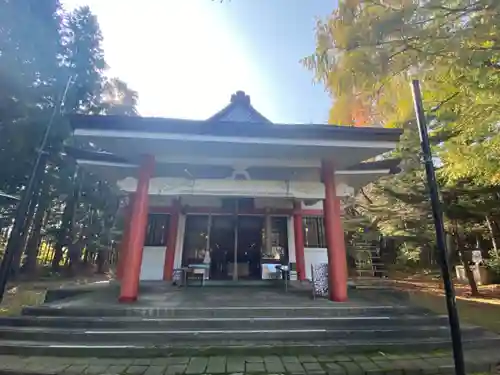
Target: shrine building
235 192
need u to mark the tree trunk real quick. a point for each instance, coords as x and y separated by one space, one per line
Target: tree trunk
101 261
492 233
65 235
468 272
33 245
86 254
26 231
62 236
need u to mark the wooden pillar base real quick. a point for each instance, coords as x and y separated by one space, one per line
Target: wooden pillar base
126 299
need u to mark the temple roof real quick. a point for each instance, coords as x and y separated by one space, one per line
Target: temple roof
239 110
231 128
239 118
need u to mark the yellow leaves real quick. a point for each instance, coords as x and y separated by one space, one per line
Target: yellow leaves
488 44
341 111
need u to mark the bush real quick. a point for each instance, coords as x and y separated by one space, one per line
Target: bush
493 263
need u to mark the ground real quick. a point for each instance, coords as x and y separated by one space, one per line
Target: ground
427 291
375 364
32 293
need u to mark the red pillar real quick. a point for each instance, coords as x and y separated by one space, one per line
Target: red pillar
138 222
337 263
124 243
299 241
168 268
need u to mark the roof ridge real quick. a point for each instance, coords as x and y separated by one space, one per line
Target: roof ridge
239 101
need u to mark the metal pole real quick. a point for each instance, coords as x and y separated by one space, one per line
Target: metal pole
437 214
14 243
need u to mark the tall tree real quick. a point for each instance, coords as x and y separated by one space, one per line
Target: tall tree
118 98
41 47
368 50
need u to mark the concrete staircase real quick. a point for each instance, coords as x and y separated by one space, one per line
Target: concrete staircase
313 327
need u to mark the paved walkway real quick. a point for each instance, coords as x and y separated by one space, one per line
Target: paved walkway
376 364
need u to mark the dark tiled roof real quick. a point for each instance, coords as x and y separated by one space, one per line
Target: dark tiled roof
239 110
238 119
232 129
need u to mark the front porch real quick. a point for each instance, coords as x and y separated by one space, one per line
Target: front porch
158 297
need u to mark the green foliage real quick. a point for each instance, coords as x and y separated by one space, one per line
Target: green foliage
494 262
41 47
367 52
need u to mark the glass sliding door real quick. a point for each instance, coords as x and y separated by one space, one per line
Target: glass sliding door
249 246
236 244
278 251
195 239
222 236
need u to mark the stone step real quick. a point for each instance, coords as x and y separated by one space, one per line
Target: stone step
329 310
332 322
248 334
229 348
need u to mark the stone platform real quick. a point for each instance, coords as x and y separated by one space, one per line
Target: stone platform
228 321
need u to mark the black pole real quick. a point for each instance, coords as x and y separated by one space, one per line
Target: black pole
16 235
437 214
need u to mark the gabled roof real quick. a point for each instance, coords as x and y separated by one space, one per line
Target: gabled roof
231 128
239 110
238 119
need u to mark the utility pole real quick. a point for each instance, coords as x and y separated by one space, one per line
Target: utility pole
456 336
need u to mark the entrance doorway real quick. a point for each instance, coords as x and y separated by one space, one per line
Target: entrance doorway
249 248
236 245
222 237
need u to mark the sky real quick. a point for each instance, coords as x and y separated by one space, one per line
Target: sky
186 57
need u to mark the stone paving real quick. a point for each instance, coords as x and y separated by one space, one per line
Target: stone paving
369 364
160 295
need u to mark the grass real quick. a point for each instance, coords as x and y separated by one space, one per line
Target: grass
18 297
427 292
32 293
471 312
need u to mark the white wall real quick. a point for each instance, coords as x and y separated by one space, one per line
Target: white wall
153 259
234 188
315 206
314 256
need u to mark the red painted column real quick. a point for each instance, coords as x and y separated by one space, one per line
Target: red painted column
168 268
299 241
138 223
337 263
124 243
